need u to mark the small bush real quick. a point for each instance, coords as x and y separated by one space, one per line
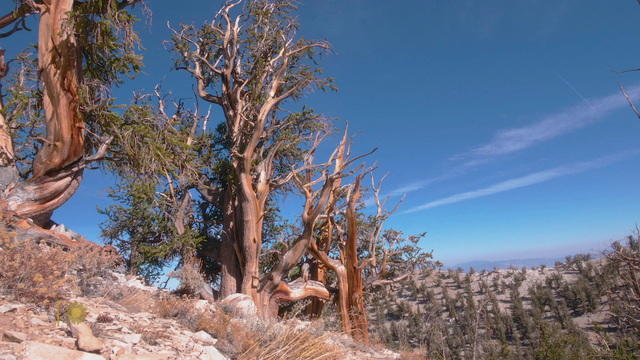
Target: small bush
216 324
104 318
191 280
73 312
171 307
134 300
35 273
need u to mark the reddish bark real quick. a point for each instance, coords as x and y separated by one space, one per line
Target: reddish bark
56 169
356 300
351 301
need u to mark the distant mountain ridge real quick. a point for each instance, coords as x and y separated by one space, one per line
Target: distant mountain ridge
505 264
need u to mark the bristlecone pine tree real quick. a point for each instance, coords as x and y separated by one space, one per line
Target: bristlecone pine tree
53 102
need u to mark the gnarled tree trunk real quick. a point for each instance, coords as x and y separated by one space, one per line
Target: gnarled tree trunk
356 301
230 274
56 172
347 268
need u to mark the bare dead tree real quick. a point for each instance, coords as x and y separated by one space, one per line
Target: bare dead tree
317 192
364 258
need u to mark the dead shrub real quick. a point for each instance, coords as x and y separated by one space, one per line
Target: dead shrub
92 264
104 318
151 337
190 277
412 356
35 273
215 323
171 307
134 300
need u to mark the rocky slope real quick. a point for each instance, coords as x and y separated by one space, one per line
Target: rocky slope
129 320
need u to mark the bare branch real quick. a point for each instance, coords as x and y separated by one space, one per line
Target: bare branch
629 100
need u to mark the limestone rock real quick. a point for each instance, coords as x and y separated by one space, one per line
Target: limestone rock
202 305
14 336
211 353
130 338
36 321
119 348
241 305
86 341
9 308
39 351
205 338
143 357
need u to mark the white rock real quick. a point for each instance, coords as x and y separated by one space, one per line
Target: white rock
120 348
9 307
85 338
39 351
202 305
36 321
205 338
240 305
211 353
14 336
143 357
130 338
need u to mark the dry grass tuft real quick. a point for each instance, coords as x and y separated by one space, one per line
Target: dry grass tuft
171 307
280 342
104 318
35 273
412 356
92 264
134 300
43 274
216 324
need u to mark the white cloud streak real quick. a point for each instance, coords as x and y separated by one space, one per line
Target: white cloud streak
551 126
512 140
526 180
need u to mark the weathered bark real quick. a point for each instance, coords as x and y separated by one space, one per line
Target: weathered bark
356 300
252 210
56 170
231 277
275 290
348 270
318 273
8 169
15 228
316 203
343 284
59 65
319 266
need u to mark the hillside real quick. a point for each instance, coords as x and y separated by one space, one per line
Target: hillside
584 308
479 265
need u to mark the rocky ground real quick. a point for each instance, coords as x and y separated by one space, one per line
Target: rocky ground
133 321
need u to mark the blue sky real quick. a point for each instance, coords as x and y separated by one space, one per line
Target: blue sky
501 120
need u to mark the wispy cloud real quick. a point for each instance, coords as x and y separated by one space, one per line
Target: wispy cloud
508 141
590 111
527 180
